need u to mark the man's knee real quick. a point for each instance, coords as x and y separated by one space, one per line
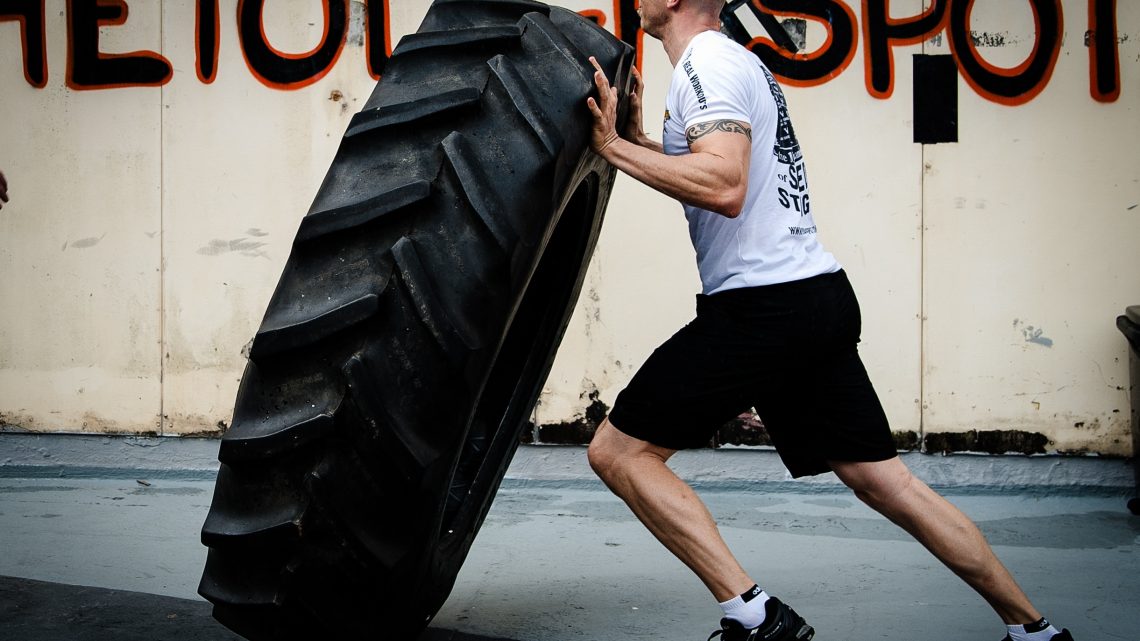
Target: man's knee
601 454
613 453
877 484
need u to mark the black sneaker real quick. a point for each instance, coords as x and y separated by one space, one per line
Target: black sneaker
781 623
1063 635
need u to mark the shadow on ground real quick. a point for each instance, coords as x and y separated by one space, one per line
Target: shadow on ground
41 611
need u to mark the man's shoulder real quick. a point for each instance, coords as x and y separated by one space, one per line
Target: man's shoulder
715 47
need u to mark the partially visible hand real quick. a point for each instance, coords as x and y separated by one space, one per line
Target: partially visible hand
3 190
605 113
635 128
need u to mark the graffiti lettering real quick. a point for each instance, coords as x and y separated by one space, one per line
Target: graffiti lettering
1104 52
627 26
207 32
1022 83
30 15
90 68
379 48
282 70
808 69
881 33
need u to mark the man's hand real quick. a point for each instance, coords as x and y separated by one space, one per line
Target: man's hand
3 190
635 128
605 114
714 176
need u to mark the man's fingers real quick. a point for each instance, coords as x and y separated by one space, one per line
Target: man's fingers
593 107
601 81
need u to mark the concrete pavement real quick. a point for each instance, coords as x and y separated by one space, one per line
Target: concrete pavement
564 560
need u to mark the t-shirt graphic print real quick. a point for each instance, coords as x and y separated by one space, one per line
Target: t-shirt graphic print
787 152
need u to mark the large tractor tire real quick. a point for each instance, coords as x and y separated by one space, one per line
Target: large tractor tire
413 327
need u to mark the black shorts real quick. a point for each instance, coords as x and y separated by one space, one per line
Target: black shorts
789 350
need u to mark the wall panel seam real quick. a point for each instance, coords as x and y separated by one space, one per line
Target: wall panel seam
162 232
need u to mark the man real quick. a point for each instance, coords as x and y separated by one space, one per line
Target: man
3 190
776 329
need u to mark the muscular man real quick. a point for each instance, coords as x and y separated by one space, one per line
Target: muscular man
776 329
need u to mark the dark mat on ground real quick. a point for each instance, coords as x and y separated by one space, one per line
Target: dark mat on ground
42 611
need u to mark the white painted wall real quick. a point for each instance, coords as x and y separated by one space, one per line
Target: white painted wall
148 227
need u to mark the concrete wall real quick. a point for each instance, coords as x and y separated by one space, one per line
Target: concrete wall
155 196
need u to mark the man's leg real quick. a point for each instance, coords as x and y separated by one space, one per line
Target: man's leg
635 471
890 488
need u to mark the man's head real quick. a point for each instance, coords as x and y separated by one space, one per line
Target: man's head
658 15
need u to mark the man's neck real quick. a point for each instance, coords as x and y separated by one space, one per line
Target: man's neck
682 29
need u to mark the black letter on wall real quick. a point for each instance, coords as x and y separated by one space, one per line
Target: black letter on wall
1104 53
1020 84
290 71
378 37
88 68
815 68
207 31
30 14
880 32
628 27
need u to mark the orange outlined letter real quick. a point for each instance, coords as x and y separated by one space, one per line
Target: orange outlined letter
89 68
881 32
281 70
30 15
1022 83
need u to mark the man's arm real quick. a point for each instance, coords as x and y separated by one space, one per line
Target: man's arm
3 190
713 177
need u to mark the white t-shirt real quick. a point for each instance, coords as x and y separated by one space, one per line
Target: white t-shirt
773 240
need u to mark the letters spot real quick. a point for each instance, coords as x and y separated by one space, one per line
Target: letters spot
935 99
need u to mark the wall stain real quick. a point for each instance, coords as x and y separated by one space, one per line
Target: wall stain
1033 334
1090 34
244 246
82 243
992 39
745 430
988 441
578 431
356 26
797 31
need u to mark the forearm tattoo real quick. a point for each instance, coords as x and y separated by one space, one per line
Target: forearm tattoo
706 128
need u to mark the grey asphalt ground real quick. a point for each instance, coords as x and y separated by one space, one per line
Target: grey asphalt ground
556 562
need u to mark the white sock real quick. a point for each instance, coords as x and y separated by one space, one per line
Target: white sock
748 608
1037 631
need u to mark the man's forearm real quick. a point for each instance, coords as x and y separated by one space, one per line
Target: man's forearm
649 143
699 179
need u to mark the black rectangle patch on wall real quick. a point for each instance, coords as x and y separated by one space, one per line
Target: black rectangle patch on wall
935 99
